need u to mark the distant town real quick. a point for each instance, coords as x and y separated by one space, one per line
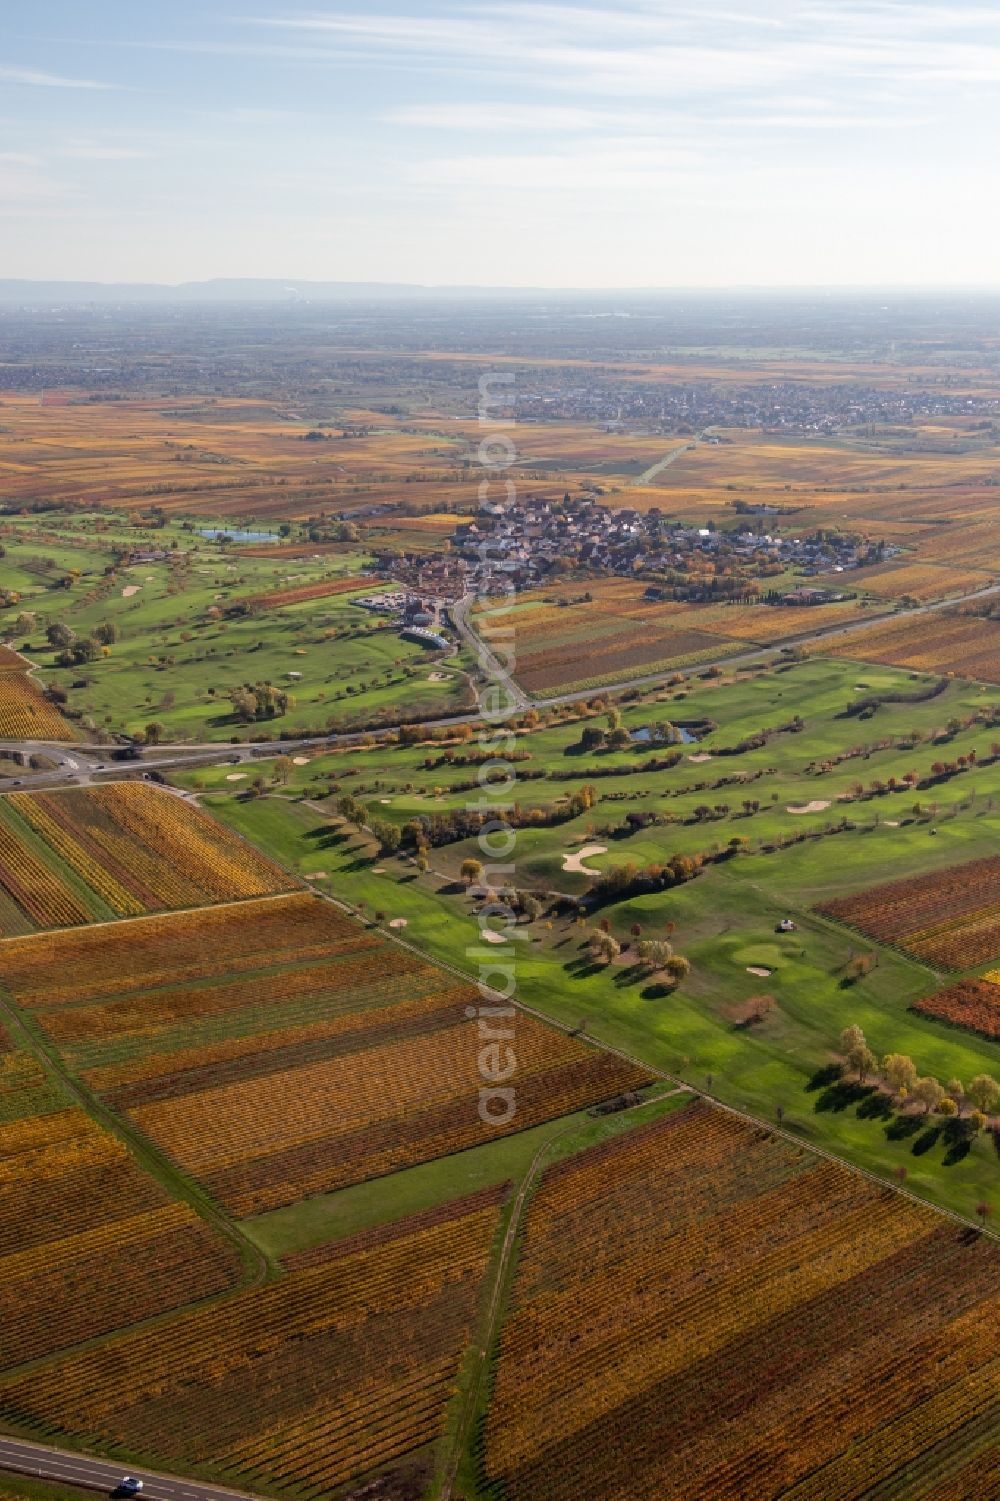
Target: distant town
522 544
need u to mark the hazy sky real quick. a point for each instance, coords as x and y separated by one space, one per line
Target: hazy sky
637 143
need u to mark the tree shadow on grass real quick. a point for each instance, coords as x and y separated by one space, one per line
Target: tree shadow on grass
958 1139
928 1138
823 1077
903 1127
877 1107
324 838
630 974
584 968
839 1096
360 862
657 990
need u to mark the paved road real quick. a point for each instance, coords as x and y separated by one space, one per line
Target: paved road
485 656
99 1475
648 475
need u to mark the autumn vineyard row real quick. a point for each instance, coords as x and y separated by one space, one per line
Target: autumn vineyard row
87 855
949 917
702 1309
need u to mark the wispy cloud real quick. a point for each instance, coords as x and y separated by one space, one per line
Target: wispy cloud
97 151
499 116
647 47
33 78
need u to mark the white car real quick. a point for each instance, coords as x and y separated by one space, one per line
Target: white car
130 1485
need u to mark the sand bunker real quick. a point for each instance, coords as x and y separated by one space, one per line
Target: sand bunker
439 677
398 922
300 760
574 862
130 589
236 776
385 799
759 970
316 875
491 937
892 823
701 756
816 806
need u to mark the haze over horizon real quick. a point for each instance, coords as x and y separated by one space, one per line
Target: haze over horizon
512 144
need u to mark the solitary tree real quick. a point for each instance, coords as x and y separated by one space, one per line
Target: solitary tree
471 871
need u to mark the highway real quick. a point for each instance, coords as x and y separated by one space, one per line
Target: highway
41 1462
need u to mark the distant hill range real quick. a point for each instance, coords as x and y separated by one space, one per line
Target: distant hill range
226 289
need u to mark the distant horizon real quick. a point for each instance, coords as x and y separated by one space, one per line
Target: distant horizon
292 284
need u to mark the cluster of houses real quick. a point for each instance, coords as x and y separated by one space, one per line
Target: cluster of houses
521 543
773 406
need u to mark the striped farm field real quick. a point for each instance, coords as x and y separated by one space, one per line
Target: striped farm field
280 1064
949 918
970 1003
609 630
340 1367
922 580
276 599
702 1309
86 963
941 642
120 850
77 1212
25 712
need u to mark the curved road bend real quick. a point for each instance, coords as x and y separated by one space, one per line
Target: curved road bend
41 1462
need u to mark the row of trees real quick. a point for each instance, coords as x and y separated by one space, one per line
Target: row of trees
899 1073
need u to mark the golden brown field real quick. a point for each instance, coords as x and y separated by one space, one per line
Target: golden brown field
220 457
606 630
963 645
921 580
25 712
